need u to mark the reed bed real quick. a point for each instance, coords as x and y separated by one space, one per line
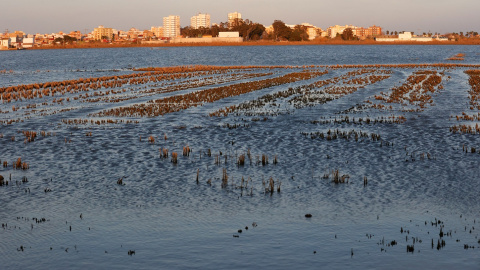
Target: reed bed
97 122
392 119
457 57
417 90
474 93
39 90
306 96
181 102
331 135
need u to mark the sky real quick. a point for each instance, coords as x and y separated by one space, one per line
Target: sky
49 16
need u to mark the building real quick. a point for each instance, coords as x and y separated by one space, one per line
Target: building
4 43
360 32
223 37
134 34
19 34
408 36
16 41
75 34
228 34
312 31
232 17
101 33
372 31
332 31
28 42
171 26
200 20
157 31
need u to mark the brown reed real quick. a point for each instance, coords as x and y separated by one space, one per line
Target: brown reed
241 160
224 178
174 157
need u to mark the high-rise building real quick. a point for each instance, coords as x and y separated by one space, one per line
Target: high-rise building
200 20
101 32
233 16
171 26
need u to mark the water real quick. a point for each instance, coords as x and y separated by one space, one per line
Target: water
170 221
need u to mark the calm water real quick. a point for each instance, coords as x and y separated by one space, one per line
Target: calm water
170 221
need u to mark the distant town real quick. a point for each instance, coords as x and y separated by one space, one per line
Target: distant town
235 29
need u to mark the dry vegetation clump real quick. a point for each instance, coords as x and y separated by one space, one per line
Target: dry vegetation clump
474 96
174 157
241 160
224 178
457 57
19 165
336 178
362 121
336 134
474 93
416 91
97 122
186 151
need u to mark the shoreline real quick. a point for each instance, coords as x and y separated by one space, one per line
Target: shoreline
252 43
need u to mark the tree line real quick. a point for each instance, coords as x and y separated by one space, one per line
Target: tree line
250 30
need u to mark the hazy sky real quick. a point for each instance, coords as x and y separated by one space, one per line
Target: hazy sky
47 16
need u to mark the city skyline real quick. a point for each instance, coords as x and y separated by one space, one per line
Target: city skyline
419 16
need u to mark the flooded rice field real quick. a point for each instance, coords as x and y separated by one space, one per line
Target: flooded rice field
232 158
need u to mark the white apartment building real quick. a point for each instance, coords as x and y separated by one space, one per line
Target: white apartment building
232 16
171 26
200 20
312 31
338 29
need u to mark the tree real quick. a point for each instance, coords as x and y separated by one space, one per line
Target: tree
69 39
299 33
281 31
348 34
59 40
255 31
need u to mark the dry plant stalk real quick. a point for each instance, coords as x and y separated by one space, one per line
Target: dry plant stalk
186 151
241 160
174 157
224 178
